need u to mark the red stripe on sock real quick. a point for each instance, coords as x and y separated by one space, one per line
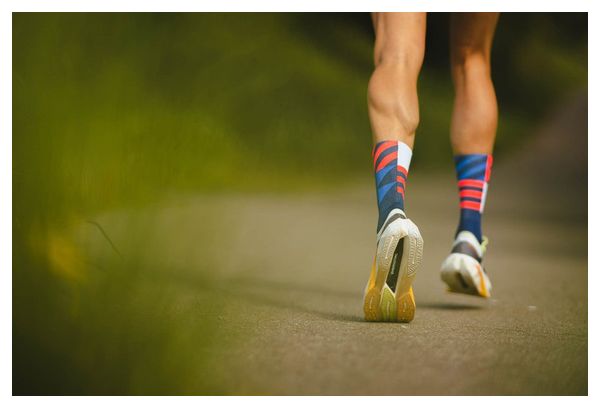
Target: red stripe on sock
471 193
470 205
403 170
471 183
401 191
386 160
381 148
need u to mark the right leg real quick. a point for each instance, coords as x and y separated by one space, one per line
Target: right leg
394 115
472 134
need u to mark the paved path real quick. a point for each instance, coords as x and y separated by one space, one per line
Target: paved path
281 280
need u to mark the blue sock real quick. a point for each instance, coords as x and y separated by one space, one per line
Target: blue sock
391 160
473 174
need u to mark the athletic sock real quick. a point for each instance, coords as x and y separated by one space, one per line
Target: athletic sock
391 159
473 174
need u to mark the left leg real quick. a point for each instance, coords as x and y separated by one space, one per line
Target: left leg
472 134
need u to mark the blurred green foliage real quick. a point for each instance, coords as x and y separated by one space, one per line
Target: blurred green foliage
116 107
121 110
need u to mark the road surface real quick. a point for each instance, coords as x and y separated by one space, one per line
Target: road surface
278 281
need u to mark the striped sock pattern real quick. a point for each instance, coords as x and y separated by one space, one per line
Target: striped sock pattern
391 160
473 174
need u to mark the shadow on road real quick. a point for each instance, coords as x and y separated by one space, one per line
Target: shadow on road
267 300
280 295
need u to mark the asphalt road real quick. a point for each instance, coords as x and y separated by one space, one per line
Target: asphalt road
282 277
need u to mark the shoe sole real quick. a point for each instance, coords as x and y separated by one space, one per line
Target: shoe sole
382 302
463 274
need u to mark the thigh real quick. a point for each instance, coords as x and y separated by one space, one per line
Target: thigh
399 35
472 32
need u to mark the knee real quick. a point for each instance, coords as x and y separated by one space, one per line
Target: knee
408 57
470 63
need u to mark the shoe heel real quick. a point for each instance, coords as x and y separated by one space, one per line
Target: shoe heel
380 302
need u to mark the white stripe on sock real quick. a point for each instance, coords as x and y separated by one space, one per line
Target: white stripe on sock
483 195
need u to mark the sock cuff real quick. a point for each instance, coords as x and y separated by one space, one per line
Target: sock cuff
473 167
386 151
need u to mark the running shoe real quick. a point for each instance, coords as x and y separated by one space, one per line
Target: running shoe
389 295
462 270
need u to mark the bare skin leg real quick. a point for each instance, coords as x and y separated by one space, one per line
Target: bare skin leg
399 51
475 115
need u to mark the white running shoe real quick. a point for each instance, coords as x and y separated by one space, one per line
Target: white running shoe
389 295
462 270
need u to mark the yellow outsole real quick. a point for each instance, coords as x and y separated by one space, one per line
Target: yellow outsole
385 307
380 303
